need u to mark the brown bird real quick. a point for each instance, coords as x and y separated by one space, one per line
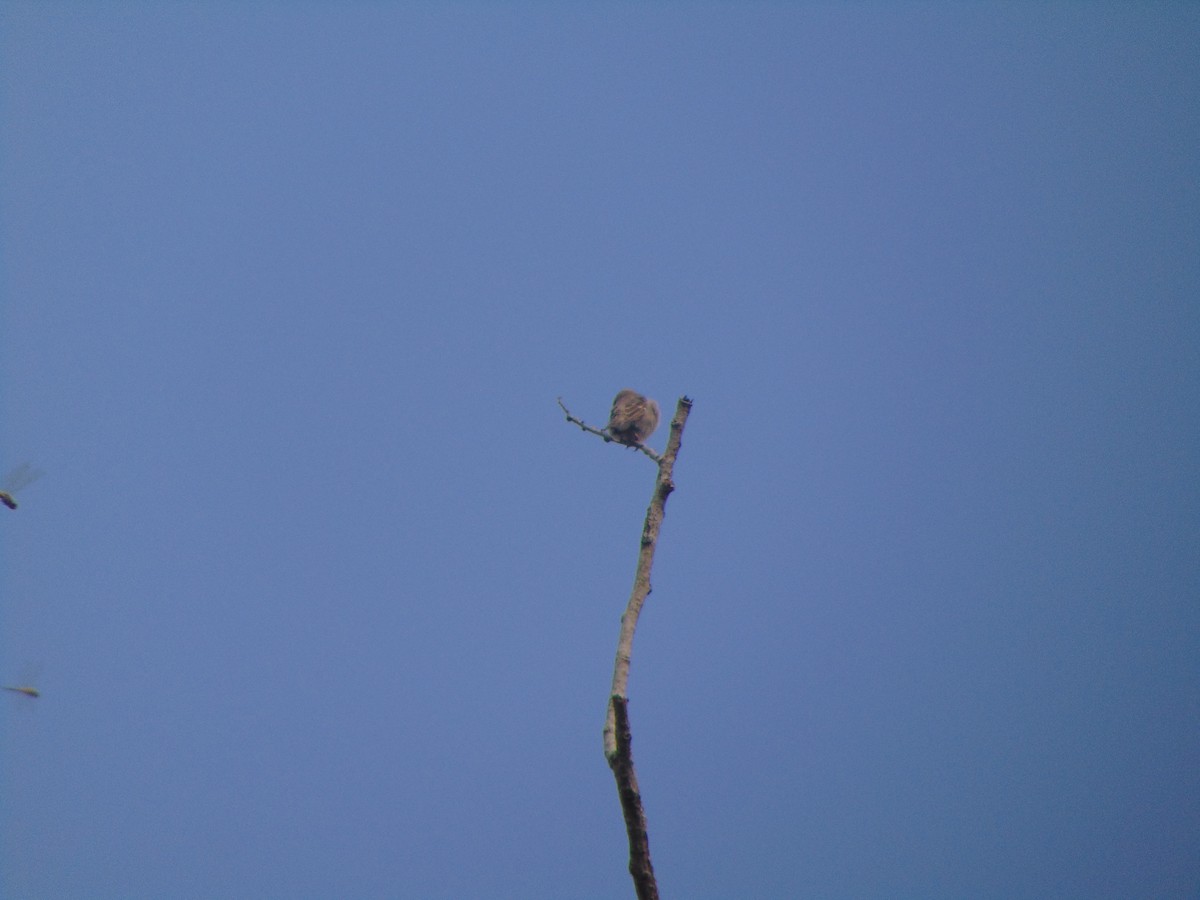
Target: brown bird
633 418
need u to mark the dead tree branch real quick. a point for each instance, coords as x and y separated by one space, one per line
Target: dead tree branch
618 739
603 433
621 763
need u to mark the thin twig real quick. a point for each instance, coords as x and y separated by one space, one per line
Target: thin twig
603 433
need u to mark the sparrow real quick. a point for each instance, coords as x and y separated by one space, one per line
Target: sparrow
633 418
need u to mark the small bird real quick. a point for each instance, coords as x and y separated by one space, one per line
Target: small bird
633 418
23 689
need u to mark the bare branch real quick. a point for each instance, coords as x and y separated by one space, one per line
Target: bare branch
663 486
603 433
621 762
618 737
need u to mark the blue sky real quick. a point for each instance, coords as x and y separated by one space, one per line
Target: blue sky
321 591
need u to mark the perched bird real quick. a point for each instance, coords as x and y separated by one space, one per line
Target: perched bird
633 418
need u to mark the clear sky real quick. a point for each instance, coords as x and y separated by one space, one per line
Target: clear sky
322 592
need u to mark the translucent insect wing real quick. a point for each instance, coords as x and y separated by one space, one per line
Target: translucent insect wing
19 477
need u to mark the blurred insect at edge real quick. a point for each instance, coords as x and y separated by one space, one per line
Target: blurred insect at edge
18 478
22 689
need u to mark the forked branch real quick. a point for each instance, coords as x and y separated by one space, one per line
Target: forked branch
663 486
618 739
